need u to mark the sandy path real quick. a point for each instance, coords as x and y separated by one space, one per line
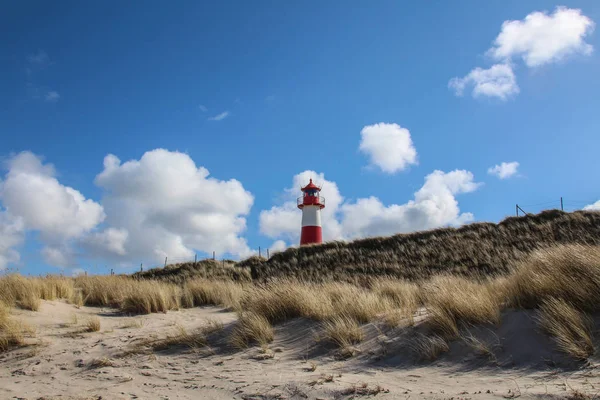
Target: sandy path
59 367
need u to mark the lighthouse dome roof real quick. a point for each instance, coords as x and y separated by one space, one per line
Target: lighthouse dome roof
310 186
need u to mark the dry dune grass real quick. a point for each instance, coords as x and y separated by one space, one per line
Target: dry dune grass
93 324
570 328
218 293
26 293
12 332
428 347
343 331
570 272
8 336
284 300
402 293
193 340
452 300
147 296
251 327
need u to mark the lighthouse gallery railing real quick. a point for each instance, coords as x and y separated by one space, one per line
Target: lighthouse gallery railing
321 200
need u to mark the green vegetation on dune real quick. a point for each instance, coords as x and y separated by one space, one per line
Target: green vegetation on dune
479 248
207 269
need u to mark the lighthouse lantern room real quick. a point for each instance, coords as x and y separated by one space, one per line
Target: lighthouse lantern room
311 204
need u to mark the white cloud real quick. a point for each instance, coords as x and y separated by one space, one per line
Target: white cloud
164 205
497 81
538 39
35 199
389 146
58 257
219 117
202 108
77 272
12 232
504 170
52 96
434 205
593 207
30 191
278 245
541 38
110 240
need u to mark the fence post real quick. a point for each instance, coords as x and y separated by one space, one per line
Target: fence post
517 208
214 256
259 255
195 258
561 204
268 254
141 267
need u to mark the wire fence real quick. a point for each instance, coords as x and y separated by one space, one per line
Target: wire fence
142 265
561 203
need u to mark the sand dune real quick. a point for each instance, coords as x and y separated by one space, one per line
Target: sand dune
65 361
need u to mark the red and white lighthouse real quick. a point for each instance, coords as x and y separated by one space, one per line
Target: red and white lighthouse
311 204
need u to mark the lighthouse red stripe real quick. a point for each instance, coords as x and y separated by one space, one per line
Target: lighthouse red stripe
311 234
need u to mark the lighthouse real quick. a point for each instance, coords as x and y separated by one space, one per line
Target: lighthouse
311 204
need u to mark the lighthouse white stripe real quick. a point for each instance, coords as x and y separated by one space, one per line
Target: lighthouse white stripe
311 216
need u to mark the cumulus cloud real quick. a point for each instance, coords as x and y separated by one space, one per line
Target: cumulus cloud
35 200
219 117
541 38
593 207
160 205
497 81
110 240
434 205
389 146
538 39
504 170
58 256
278 245
12 232
164 205
31 192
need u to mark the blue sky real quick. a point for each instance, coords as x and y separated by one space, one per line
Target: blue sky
293 86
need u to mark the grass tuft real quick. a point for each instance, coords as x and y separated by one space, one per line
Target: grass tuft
193 340
92 324
250 328
429 347
343 331
12 333
453 299
570 328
